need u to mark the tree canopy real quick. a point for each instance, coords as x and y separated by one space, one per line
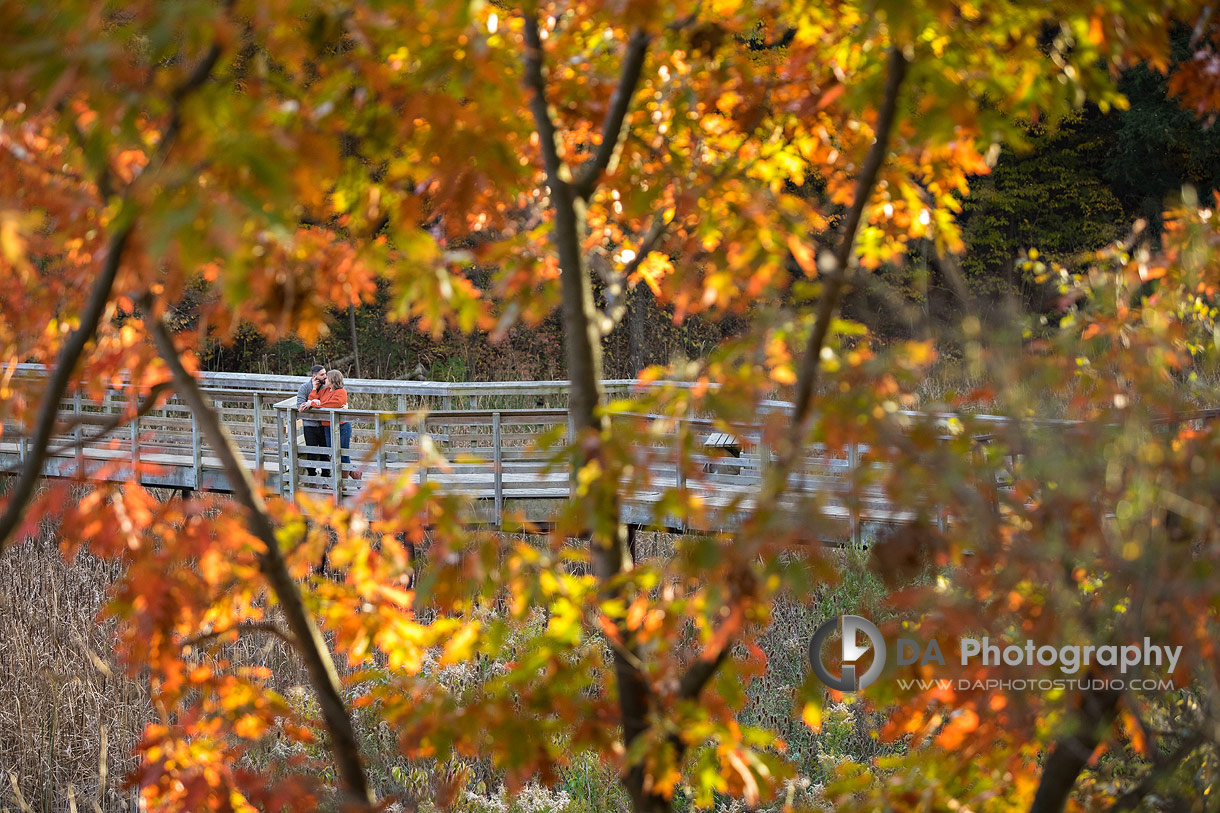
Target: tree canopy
270 161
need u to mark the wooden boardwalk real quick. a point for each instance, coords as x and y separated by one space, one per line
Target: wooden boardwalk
487 435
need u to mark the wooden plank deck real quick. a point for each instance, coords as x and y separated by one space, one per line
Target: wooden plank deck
491 455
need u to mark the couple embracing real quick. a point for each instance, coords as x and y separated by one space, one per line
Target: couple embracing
323 391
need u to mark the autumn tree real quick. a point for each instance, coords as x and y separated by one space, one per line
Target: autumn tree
286 156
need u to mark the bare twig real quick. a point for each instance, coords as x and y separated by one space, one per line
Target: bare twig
616 300
659 224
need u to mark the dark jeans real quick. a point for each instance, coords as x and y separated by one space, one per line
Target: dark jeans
345 440
314 436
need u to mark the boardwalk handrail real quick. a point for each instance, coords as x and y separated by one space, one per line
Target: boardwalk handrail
273 384
442 390
492 451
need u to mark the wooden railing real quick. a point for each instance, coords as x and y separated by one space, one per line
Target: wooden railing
494 456
490 453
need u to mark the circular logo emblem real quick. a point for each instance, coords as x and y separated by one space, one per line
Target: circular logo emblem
852 652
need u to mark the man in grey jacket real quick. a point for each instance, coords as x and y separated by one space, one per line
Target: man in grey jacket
314 436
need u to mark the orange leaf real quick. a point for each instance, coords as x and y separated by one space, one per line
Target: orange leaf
954 734
803 255
1135 732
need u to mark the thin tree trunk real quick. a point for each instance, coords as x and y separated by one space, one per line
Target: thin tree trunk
313 650
607 534
643 330
351 321
1070 754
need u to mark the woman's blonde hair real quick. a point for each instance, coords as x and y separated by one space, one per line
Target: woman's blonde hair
335 379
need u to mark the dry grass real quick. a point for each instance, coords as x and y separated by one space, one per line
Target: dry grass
70 718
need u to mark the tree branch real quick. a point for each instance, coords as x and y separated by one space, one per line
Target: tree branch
836 278
149 404
241 629
697 676
1070 754
65 366
620 103
539 106
776 482
105 184
95 307
616 301
313 649
659 224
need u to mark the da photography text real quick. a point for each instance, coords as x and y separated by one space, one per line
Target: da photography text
1069 659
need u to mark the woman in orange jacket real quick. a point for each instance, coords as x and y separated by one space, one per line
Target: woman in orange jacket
333 396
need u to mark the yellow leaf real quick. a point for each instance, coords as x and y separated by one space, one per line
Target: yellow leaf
249 727
812 715
461 645
921 353
653 269
783 374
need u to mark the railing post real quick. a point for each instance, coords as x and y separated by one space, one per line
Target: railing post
498 471
22 448
196 448
420 433
680 448
78 433
378 429
135 445
293 465
258 434
402 430
853 461
279 450
572 473
336 469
